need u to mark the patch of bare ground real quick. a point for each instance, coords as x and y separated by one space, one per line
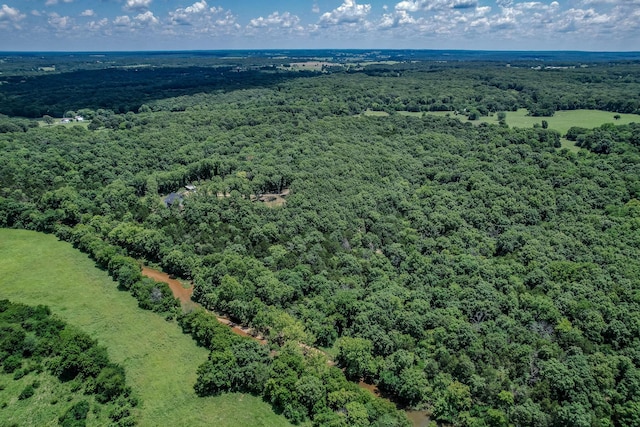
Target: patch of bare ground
272 200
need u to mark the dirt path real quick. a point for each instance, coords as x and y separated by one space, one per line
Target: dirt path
184 296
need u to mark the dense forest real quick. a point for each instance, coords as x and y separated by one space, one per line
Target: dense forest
480 272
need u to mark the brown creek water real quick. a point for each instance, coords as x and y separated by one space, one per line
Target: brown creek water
184 296
417 418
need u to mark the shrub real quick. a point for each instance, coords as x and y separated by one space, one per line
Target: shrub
76 415
27 392
12 363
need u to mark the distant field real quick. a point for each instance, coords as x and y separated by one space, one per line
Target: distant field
57 122
560 121
160 361
563 120
307 66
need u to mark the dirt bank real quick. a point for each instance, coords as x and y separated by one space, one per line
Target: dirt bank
184 296
418 418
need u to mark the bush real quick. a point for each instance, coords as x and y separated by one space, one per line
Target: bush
12 363
110 383
27 392
76 415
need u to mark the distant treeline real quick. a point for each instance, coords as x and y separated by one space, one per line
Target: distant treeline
407 86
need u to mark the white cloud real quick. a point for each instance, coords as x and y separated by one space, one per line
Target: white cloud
286 20
137 5
348 13
197 7
98 25
10 16
199 18
427 5
315 8
88 12
397 19
60 23
122 21
147 18
576 20
188 15
54 2
603 2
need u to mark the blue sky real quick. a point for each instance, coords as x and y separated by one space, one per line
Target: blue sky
80 25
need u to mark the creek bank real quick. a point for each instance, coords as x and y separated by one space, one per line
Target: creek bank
184 296
417 418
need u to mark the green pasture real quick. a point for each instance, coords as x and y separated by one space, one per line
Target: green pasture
159 359
560 121
563 120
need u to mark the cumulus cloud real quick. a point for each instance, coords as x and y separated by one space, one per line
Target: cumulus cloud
10 16
88 12
60 23
397 19
137 5
122 21
315 8
348 13
286 20
146 18
427 5
187 15
98 25
575 20
197 7
54 2
199 18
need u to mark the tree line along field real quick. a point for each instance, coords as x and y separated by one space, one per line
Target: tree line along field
160 361
483 273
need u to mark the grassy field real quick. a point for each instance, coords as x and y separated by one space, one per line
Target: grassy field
560 121
160 361
563 120
51 399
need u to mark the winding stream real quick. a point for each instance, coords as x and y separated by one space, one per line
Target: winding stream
417 418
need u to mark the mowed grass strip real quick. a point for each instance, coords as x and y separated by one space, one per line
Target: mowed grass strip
160 361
